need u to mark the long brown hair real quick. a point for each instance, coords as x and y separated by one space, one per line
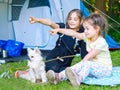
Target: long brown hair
79 14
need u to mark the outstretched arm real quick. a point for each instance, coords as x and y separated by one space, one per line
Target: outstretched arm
68 32
44 21
92 54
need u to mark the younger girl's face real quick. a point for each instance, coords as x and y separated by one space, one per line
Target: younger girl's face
90 31
74 21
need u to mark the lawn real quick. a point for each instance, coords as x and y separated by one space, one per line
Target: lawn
19 84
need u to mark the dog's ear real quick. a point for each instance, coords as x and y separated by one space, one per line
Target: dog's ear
29 49
37 50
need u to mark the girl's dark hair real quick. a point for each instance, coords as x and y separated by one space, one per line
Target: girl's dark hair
78 12
97 20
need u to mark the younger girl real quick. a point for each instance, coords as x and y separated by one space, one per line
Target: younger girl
96 63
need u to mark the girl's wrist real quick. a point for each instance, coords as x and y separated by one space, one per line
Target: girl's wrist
37 20
57 30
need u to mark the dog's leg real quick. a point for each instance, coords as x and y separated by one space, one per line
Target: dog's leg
43 76
32 75
37 76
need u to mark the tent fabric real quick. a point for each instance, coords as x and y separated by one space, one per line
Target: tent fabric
16 12
38 3
58 5
112 80
84 9
112 43
34 34
16 2
37 35
16 8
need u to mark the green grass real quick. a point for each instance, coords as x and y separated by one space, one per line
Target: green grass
21 84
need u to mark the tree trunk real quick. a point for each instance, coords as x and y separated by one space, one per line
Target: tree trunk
100 5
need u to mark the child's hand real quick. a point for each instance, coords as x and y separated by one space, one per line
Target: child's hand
53 31
32 20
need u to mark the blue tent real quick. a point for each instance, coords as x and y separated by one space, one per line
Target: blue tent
16 24
37 35
113 45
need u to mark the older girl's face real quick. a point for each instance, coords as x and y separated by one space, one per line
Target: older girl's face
74 21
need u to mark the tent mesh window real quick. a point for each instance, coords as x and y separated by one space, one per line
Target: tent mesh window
38 3
16 12
16 8
18 2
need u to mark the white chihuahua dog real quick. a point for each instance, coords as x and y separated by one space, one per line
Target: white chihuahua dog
36 66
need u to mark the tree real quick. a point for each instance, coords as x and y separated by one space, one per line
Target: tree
100 4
